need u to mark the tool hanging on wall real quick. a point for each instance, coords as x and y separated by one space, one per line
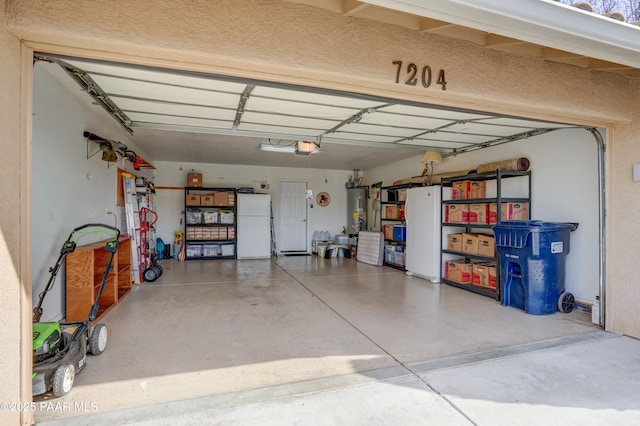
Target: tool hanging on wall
112 149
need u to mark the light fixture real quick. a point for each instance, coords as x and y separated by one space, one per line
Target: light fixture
300 147
306 147
289 149
428 159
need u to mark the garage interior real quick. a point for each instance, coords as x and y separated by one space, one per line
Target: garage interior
238 326
266 323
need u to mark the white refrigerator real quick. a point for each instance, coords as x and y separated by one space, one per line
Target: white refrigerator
423 211
253 231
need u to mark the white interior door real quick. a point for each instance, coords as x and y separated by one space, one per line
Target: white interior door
293 216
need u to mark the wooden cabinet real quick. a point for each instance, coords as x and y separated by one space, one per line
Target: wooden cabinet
84 270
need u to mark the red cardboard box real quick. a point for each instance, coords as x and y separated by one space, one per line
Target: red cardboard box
458 271
492 211
514 211
459 190
476 190
479 213
480 275
457 213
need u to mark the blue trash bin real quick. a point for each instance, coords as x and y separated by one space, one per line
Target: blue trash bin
532 264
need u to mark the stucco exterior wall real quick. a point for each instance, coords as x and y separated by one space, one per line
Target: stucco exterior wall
295 43
288 42
12 292
623 302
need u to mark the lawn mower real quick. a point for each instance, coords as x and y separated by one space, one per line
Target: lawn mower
60 348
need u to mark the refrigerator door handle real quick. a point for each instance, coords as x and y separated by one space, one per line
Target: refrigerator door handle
406 209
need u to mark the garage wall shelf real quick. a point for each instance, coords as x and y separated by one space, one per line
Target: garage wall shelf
392 221
84 270
210 223
484 227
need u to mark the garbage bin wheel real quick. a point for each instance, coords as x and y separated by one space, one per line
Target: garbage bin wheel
566 302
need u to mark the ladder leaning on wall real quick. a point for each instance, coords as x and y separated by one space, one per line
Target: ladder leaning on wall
133 223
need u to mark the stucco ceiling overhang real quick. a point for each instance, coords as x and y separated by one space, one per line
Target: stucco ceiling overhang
545 29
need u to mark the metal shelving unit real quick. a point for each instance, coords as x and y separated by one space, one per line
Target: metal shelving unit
209 239
498 176
392 198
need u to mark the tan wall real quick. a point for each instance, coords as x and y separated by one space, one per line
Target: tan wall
623 303
13 329
289 42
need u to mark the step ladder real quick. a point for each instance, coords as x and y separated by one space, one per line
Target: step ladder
132 214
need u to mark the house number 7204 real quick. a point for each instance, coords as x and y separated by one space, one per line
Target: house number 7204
425 75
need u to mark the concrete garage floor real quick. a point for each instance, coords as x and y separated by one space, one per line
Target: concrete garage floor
306 340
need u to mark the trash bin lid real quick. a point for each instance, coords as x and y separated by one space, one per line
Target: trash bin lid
515 233
537 225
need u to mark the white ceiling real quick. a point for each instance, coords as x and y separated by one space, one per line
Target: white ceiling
210 119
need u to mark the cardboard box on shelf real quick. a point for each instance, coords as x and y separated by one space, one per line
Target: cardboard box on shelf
388 231
476 190
492 211
454 242
492 276
486 245
194 180
480 275
191 233
231 232
460 190
470 243
221 199
457 213
479 213
206 200
392 212
232 199
514 211
458 271
192 200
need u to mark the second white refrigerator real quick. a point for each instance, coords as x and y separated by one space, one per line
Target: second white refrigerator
254 226
423 211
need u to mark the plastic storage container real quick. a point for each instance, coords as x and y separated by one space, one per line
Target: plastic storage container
400 232
532 264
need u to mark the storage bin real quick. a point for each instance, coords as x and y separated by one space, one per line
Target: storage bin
532 263
226 218
227 250
400 232
210 217
211 250
194 217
